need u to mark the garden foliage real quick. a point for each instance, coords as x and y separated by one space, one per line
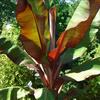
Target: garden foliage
37 20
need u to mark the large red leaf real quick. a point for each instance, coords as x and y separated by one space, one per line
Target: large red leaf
33 21
77 27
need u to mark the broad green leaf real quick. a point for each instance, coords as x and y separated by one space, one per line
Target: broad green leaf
94 30
96 21
22 93
13 93
72 54
44 94
79 50
32 17
14 52
77 27
97 51
86 70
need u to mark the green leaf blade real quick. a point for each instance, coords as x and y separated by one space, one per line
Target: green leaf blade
86 70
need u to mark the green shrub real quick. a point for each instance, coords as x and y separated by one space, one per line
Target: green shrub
14 75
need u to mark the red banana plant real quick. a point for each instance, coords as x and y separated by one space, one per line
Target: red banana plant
37 20
38 27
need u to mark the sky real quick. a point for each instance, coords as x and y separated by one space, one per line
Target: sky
69 1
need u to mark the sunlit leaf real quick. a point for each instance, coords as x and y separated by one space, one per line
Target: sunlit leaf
86 70
13 93
73 53
77 27
44 94
35 31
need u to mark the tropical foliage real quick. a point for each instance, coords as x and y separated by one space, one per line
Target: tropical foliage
45 55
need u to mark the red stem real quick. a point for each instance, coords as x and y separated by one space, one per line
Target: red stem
42 75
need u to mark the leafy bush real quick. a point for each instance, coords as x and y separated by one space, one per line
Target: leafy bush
14 75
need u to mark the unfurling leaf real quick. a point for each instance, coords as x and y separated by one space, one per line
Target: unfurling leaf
77 27
52 20
33 19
